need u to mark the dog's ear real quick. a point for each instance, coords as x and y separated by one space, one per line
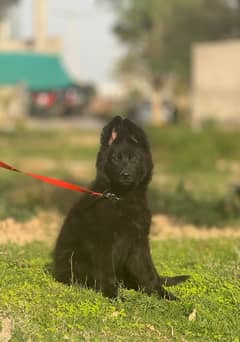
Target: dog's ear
135 134
111 131
113 137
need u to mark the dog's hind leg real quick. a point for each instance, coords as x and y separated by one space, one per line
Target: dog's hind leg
132 282
141 273
172 281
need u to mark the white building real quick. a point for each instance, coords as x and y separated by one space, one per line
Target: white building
216 82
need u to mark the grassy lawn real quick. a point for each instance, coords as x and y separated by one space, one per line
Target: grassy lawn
45 310
192 177
191 185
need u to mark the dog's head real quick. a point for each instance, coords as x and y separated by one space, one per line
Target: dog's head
124 156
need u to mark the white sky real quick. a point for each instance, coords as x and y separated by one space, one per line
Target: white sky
90 48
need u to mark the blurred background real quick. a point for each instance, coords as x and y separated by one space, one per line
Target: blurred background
172 66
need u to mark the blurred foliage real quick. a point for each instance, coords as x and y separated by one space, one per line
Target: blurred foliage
159 34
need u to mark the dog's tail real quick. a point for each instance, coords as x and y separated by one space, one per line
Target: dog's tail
171 281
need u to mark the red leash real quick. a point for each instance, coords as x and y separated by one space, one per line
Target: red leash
60 183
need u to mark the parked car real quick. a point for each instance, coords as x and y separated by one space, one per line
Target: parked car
71 101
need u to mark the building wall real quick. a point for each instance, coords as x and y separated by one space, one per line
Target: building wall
9 23
14 105
216 81
41 42
51 45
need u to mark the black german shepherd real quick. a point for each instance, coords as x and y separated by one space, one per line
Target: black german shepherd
104 243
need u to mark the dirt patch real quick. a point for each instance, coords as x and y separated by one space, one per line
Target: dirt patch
87 140
45 227
79 169
165 227
6 329
228 166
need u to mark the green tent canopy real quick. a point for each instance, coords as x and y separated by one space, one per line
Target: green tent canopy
37 71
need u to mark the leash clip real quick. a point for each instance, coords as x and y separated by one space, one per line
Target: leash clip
111 196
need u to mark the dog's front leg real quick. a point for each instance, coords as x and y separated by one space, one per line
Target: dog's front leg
105 277
107 286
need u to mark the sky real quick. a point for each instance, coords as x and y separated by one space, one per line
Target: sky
90 48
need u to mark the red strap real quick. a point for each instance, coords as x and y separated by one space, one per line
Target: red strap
54 181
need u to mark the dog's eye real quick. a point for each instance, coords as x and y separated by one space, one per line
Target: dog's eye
133 139
132 158
116 157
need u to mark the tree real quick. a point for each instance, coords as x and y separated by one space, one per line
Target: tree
158 34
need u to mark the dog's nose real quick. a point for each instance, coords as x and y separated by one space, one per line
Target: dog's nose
125 175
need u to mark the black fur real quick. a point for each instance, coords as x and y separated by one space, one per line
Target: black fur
103 242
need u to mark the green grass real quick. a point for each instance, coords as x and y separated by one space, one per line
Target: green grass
187 184
182 150
22 198
44 144
45 310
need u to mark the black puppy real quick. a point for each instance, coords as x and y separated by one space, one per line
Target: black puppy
104 243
